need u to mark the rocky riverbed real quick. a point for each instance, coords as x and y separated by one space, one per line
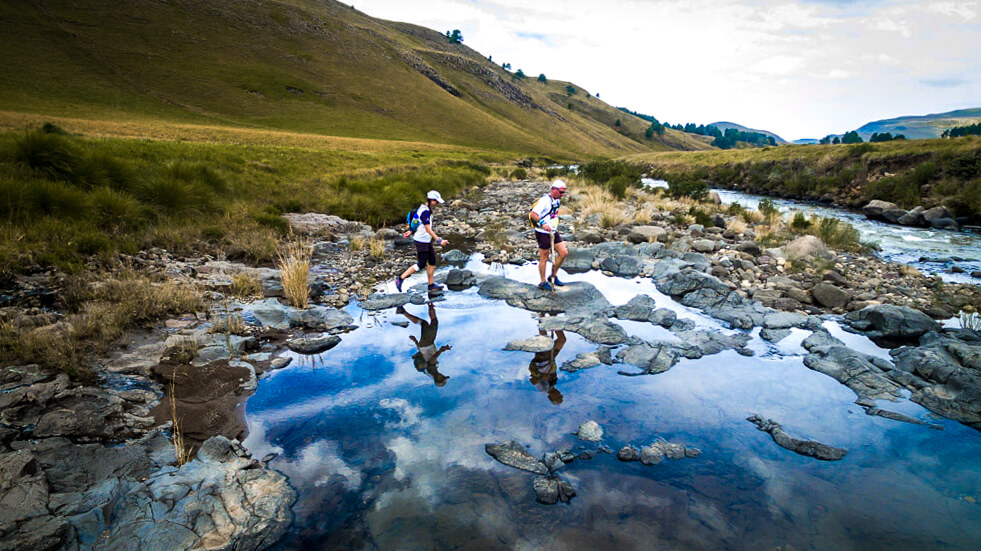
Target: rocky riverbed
91 464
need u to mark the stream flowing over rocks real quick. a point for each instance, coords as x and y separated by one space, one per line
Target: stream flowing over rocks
92 465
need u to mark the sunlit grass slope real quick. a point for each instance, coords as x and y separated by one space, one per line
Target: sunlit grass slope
316 67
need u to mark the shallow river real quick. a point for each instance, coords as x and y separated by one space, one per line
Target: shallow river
930 251
388 455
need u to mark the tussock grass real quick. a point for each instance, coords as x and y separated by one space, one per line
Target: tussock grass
294 266
737 225
181 450
230 324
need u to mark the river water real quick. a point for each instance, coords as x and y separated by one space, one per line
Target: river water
930 251
387 451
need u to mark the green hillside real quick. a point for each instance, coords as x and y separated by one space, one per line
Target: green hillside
316 67
917 127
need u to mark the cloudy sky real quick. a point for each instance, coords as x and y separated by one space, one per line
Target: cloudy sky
800 68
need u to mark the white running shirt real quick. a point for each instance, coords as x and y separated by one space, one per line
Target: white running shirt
548 212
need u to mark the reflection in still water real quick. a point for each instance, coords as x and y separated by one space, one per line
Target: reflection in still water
544 370
427 354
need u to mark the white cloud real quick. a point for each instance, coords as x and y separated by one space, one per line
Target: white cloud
798 68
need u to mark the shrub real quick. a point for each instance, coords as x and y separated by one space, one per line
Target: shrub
618 185
701 217
519 174
767 208
603 171
734 209
838 235
687 187
178 197
800 222
56 199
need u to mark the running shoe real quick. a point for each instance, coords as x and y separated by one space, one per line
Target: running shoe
398 283
556 282
545 286
435 287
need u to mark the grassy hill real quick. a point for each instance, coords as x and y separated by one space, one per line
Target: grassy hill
306 66
917 127
723 126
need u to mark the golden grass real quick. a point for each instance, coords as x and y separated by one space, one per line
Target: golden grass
246 285
180 449
230 324
612 219
356 243
376 247
294 267
737 225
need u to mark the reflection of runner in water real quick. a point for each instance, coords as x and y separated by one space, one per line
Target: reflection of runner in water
425 359
544 370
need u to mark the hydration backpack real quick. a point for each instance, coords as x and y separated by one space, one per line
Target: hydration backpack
412 219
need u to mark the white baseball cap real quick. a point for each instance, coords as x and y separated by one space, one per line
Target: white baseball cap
558 184
435 196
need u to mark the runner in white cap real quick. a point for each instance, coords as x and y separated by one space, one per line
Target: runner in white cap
545 217
424 239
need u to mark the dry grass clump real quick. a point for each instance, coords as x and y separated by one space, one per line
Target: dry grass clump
231 324
181 450
99 312
752 217
643 215
737 225
356 243
612 219
246 285
294 267
595 200
376 247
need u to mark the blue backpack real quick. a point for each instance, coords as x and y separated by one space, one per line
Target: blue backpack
412 219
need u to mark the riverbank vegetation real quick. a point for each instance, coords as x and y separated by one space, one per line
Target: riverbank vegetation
907 172
65 198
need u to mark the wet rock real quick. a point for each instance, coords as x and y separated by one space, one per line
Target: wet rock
639 308
830 296
551 490
887 321
784 320
650 357
913 218
575 296
808 448
664 317
704 245
774 335
660 449
865 375
515 455
324 224
750 247
594 329
313 345
628 454
455 256
383 301
458 280
281 362
622 265
936 213
588 360
538 343
590 431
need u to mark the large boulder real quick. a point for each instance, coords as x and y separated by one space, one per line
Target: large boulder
887 321
874 209
806 246
645 234
830 296
577 296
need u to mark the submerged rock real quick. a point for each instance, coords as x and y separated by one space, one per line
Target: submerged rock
595 329
381 302
590 431
660 449
551 490
809 448
515 455
538 343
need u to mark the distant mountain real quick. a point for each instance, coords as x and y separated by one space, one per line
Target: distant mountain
805 141
922 126
723 126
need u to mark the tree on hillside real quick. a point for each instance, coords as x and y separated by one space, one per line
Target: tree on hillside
506 66
541 78
520 74
851 137
836 140
570 90
958 131
826 140
454 37
617 124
